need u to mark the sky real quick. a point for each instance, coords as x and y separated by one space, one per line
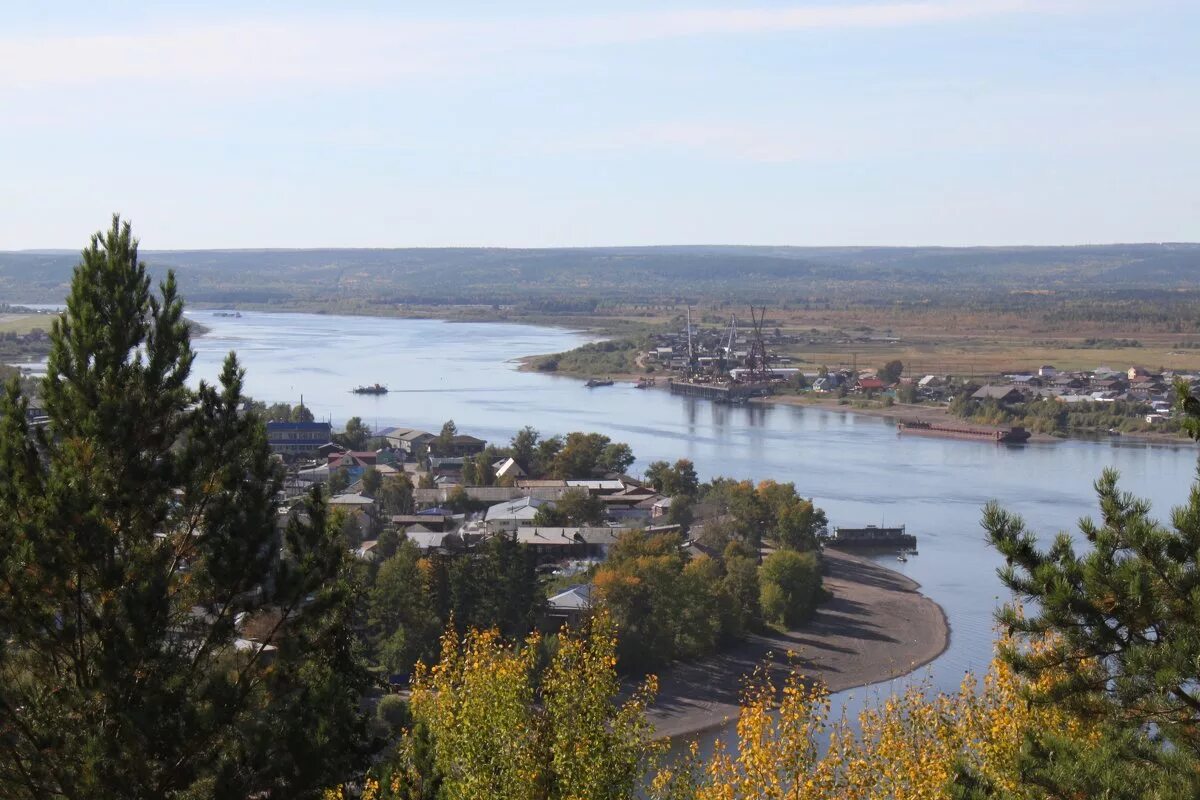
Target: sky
533 123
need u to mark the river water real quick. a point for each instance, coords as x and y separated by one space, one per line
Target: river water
855 467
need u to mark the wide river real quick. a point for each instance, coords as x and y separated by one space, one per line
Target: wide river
855 467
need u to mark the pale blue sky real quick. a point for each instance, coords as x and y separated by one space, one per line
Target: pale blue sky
297 124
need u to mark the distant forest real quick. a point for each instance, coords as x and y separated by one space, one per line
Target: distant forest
587 279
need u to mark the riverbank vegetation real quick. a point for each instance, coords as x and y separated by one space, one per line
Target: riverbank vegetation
611 357
1052 417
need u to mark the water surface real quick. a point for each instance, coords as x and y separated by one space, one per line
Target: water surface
857 468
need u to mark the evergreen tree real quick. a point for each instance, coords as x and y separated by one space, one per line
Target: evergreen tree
134 533
1122 614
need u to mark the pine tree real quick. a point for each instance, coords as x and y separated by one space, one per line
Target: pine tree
1118 616
138 532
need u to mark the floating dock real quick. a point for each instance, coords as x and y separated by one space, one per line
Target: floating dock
720 392
871 536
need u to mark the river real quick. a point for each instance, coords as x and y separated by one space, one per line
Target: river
855 467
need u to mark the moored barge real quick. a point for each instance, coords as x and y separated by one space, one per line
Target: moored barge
1014 435
871 536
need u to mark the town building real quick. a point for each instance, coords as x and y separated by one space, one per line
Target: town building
297 438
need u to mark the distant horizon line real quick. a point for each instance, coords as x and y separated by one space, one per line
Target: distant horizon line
286 249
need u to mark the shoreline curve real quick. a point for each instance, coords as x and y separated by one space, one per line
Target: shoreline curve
875 628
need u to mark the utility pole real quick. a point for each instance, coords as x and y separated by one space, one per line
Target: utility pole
691 357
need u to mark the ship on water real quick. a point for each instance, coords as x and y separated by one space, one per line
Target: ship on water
375 389
871 536
1014 435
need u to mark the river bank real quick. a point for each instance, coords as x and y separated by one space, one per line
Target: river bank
877 626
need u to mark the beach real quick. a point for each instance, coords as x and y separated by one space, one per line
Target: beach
877 626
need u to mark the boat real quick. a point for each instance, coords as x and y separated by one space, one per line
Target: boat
594 382
644 383
870 536
375 389
1113 432
236 314
1014 435
902 557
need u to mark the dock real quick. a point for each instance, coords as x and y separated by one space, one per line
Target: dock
871 536
720 392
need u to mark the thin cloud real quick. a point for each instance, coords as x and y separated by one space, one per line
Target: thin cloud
342 49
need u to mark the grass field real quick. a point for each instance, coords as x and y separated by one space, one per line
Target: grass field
24 323
951 342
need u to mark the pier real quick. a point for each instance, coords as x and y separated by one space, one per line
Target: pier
720 392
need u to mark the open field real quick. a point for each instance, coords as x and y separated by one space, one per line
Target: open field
24 323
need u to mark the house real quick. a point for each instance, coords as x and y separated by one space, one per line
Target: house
447 467
1138 374
409 440
428 541
297 438
459 446
1046 371
432 522
929 381
660 508
597 487
870 385
509 516
572 604
1001 394
354 463
366 551
508 468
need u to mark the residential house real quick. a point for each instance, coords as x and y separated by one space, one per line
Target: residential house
871 385
509 516
459 446
297 438
571 605
1001 394
508 468
355 463
410 440
1047 371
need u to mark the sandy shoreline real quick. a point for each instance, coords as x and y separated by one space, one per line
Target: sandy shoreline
877 626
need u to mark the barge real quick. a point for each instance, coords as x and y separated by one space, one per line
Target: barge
871 536
1015 435
720 392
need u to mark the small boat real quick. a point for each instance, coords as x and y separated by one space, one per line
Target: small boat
902 557
644 383
594 382
1113 432
376 389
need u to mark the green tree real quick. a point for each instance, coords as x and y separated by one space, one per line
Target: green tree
339 480
890 372
402 623
1118 605
673 480
355 436
579 507
443 445
372 481
395 496
616 457
584 454
790 587
524 449
681 511
741 609
131 534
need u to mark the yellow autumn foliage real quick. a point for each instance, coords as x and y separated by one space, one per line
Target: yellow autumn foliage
905 747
